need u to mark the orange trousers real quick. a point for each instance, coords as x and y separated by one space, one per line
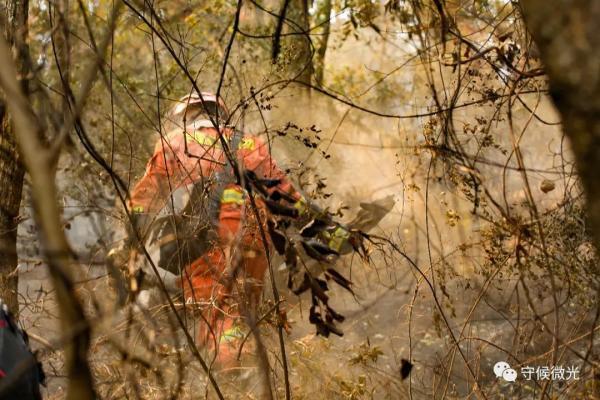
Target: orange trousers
228 277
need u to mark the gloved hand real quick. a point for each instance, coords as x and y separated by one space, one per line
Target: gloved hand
338 239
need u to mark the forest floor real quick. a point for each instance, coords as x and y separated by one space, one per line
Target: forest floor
364 363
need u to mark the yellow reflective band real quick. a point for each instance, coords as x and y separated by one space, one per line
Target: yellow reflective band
232 334
247 144
339 237
202 139
138 209
301 205
232 196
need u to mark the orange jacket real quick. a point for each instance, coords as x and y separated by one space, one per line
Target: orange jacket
182 159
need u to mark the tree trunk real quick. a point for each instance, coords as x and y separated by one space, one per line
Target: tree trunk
324 21
301 66
11 182
40 160
11 168
568 39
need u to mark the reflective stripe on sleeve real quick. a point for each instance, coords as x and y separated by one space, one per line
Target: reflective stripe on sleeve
232 196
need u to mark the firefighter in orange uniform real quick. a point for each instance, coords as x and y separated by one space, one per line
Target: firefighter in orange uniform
230 273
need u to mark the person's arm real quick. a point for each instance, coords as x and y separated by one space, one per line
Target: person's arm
151 192
257 158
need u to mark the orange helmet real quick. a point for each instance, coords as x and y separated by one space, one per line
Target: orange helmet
206 102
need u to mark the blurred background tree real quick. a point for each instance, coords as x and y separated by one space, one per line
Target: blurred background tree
15 29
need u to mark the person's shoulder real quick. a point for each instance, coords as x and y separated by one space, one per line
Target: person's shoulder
249 143
257 140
